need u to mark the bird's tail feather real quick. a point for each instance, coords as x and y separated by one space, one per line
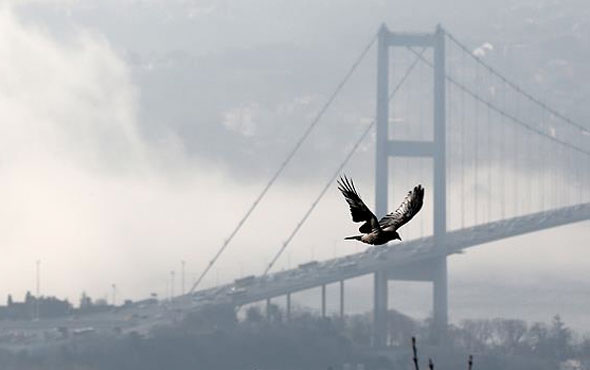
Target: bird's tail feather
354 237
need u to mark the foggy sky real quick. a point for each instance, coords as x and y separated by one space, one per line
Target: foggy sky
131 142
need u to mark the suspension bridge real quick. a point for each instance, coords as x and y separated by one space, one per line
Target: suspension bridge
517 166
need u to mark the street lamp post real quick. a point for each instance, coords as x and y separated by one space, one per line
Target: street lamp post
38 290
182 263
114 286
171 284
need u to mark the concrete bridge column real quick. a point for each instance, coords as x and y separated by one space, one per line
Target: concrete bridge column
440 186
380 309
268 309
324 300
440 299
341 299
288 307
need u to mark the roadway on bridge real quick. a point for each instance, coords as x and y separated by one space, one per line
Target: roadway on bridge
142 316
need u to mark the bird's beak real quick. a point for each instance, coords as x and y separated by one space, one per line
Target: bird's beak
400 238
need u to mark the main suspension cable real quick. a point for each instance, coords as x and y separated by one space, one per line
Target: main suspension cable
286 161
502 112
337 172
585 130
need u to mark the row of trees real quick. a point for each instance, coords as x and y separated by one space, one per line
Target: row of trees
33 307
48 307
214 339
499 343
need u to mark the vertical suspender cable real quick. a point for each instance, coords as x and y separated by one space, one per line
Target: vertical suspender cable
489 158
448 139
503 156
476 144
543 155
463 143
515 152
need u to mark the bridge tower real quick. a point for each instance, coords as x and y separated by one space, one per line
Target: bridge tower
434 271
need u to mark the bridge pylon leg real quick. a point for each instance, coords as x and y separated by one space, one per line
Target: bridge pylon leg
440 300
288 307
341 299
386 147
323 300
380 297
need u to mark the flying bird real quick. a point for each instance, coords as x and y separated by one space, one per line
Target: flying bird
377 232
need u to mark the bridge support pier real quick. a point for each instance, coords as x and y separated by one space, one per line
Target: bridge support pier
268 309
435 149
380 297
323 300
440 187
288 308
341 299
440 300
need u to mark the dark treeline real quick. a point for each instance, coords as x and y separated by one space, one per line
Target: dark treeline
50 307
32 307
214 339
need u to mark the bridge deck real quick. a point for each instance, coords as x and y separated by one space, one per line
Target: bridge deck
141 317
391 256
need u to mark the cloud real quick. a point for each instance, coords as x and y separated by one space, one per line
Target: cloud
98 204
68 132
72 101
242 119
81 189
482 51
252 118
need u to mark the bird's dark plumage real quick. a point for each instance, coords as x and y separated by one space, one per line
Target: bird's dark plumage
359 211
380 232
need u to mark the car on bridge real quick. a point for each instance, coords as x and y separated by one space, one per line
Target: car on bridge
348 265
236 291
83 331
308 265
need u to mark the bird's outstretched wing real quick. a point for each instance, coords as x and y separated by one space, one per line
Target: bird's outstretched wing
359 211
404 213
